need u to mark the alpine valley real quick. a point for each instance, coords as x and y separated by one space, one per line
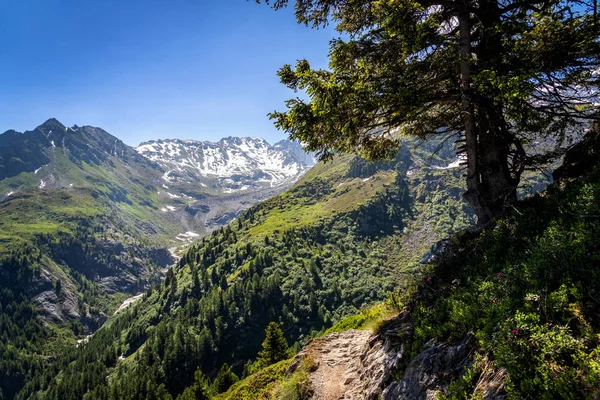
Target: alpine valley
87 222
431 230
258 275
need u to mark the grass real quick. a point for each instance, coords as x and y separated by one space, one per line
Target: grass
261 385
369 318
47 212
297 386
296 211
536 272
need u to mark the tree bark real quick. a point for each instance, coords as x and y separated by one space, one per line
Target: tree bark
490 186
498 187
472 195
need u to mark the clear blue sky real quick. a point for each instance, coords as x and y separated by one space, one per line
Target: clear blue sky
190 69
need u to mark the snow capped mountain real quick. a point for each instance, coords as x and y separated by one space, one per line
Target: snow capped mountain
230 165
296 149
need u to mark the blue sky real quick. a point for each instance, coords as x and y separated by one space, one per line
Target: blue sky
190 69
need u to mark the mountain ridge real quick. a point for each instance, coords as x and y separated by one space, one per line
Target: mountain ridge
86 222
53 156
319 251
230 164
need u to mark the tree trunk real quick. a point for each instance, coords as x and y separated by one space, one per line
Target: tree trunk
472 195
498 187
490 186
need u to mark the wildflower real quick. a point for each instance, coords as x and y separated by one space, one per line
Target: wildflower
500 274
532 297
515 332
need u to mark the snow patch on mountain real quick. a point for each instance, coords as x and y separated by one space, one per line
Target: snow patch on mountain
455 164
187 236
236 164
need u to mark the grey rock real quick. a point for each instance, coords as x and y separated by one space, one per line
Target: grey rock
430 372
436 251
427 375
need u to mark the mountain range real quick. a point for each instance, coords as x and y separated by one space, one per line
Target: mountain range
332 242
87 221
230 165
184 177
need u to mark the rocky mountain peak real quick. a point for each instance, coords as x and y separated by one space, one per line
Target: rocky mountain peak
51 125
232 164
297 150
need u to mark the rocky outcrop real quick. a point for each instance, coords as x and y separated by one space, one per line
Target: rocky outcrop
115 266
354 365
427 375
431 372
57 309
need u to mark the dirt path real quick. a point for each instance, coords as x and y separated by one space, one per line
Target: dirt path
338 359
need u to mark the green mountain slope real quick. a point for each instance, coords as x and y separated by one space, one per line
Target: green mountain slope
340 239
537 273
511 312
80 230
85 222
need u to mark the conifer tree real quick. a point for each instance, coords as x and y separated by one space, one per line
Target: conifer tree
275 347
200 390
224 379
494 75
58 287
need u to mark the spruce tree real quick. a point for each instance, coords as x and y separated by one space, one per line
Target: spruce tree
58 288
494 75
224 379
275 347
200 390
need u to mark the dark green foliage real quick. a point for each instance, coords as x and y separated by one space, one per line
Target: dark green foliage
335 244
99 218
213 307
275 347
537 274
58 287
74 255
21 338
200 389
491 73
362 168
224 379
